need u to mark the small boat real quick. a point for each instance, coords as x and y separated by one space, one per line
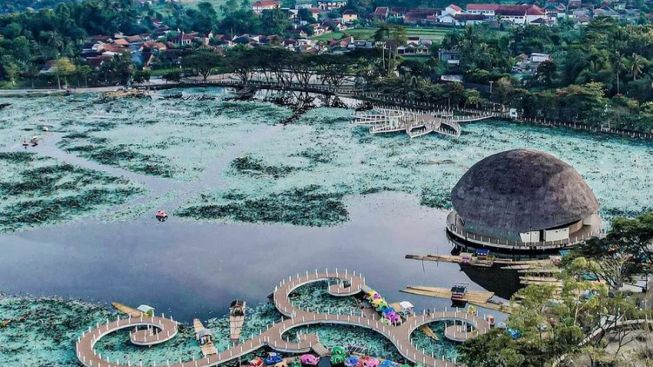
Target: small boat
204 337
458 292
338 355
351 361
236 319
368 361
273 359
161 215
25 144
34 141
309 360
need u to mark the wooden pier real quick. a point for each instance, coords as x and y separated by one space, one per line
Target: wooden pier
470 296
474 261
341 284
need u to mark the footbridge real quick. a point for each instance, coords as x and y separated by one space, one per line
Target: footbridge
416 122
158 329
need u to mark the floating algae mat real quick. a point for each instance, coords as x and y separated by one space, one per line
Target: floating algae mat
43 331
37 190
303 172
322 158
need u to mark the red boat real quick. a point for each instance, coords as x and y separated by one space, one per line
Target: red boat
161 215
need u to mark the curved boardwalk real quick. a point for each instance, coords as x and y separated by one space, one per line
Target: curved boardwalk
161 329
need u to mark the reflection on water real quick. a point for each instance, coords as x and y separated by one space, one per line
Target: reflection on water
192 269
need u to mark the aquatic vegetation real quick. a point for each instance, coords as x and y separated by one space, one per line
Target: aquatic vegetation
255 167
121 155
439 348
314 297
36 190
259 171
308 205
341 335
43 331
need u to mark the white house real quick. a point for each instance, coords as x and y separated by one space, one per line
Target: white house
261 5
330 4
452 9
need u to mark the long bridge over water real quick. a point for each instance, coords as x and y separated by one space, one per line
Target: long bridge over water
342 284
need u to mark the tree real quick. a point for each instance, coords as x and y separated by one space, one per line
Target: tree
619 66
504 89
494 349
637 64
274 21
172 76
141 76
83 71
545 72
627 242
10 69
202 61
63 67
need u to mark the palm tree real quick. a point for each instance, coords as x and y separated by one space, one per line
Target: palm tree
637 63
618 66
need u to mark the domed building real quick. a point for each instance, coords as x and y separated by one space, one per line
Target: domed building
523 200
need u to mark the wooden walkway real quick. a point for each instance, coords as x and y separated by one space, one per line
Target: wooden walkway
161 329
416 122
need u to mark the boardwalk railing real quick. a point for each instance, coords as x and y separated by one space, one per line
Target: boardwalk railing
356 92
159 329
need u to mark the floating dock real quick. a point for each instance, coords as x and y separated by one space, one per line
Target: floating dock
130 311
236 319
470 296
475 261
477 298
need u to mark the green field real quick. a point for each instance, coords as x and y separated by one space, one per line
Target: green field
435 34
162 8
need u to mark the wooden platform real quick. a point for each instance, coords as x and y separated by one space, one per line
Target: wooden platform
126 309
470 296
509 263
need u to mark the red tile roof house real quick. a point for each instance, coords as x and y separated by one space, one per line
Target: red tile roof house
184 39
518 14
397 12
261 5
380 13
452 9
421 15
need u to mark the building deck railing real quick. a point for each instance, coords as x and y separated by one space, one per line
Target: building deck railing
458 231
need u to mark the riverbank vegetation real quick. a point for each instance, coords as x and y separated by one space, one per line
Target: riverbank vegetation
553 322
598 74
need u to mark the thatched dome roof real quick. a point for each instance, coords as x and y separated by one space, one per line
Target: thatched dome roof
521 190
